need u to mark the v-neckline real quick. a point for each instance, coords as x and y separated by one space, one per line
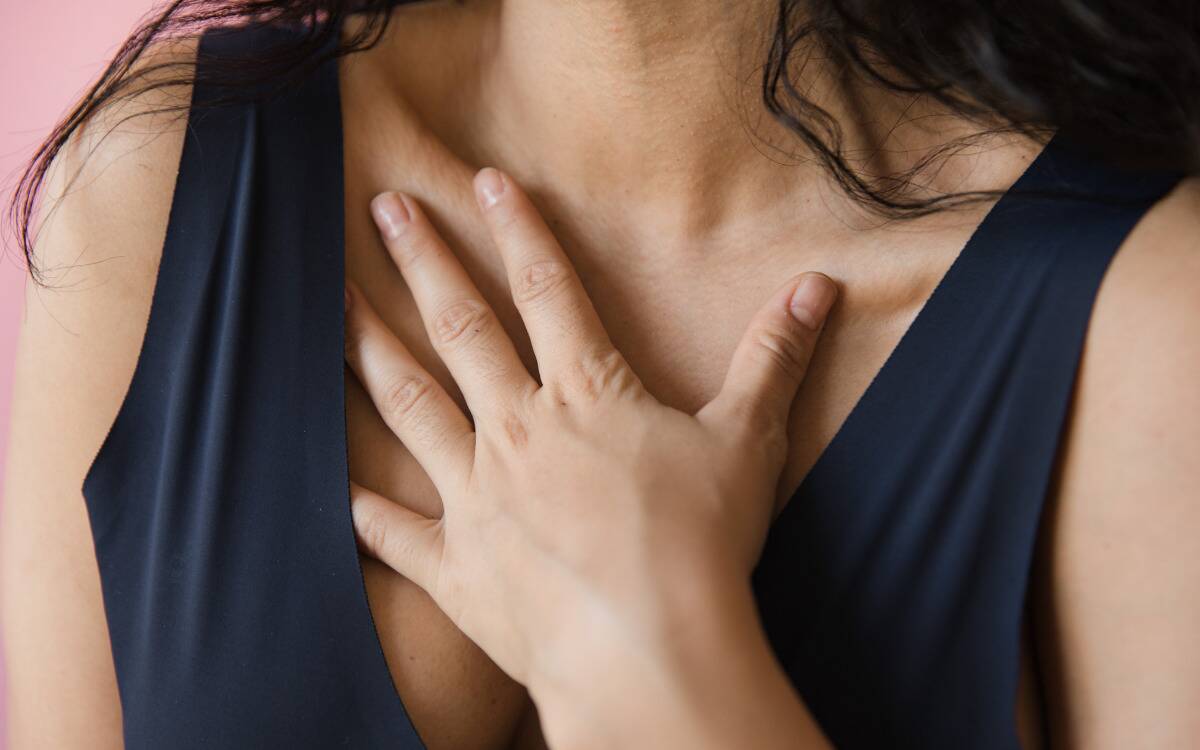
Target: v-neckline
928 316
338 186
933 310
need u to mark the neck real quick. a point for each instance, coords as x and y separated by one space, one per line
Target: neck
651 105
651 110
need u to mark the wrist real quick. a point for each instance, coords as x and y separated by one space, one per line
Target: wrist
702 676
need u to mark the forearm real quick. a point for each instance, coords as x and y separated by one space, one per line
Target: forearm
711 681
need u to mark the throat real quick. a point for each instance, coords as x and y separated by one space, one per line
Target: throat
646 112
677 255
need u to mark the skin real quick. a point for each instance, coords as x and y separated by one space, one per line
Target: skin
575 508
632 152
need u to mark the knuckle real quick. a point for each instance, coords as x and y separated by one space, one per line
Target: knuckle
467 317
540 280
752 424
599 373
784 351
743 415
747 418
515 431
373 531
402 396
773 441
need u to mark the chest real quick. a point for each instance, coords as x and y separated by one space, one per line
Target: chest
677 324
676 313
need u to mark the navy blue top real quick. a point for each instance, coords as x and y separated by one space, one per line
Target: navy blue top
891 587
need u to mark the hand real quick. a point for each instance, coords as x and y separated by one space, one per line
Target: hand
583 520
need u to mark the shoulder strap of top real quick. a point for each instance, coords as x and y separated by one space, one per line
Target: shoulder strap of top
892 586
219 501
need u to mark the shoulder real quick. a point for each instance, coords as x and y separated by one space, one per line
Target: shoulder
1142 350
1122 605
111 184
98 240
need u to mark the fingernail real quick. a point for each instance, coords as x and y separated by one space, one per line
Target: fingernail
812 299
489 186
390 214
349 296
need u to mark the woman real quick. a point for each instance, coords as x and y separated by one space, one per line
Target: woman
586 557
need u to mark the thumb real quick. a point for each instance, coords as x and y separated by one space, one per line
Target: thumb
772 357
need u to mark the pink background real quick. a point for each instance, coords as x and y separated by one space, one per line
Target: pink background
49 51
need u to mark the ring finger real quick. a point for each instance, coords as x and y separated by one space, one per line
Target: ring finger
410 401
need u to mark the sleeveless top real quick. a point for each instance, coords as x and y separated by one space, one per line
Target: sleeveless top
891 586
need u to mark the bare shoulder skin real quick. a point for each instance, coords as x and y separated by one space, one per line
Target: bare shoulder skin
1119 590
102 226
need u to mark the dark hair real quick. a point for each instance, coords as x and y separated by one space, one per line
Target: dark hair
1121 77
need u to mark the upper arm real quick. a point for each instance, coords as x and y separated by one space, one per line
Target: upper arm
1121 610
105 207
